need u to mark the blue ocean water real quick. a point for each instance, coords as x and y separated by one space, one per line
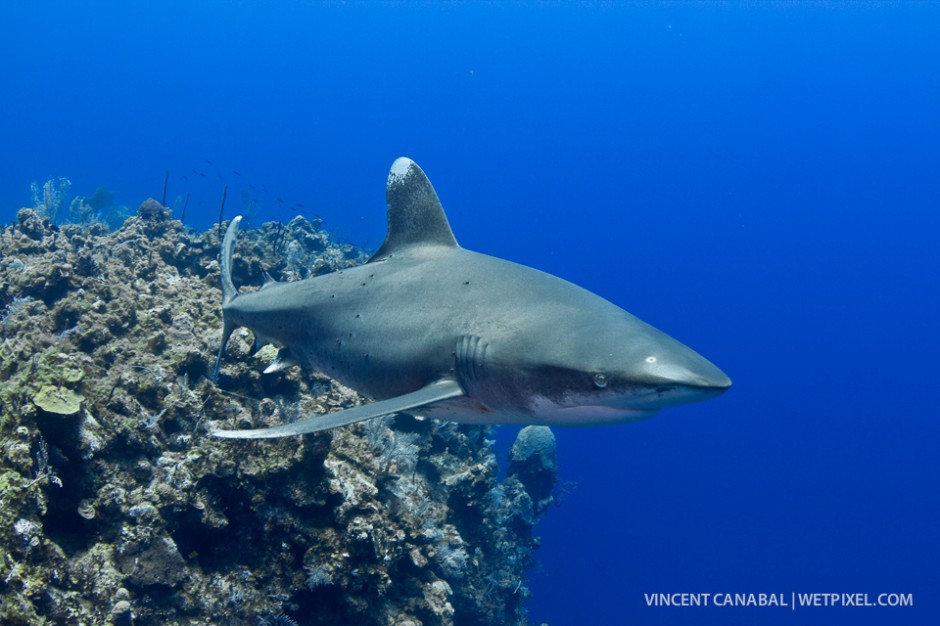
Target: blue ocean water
761 181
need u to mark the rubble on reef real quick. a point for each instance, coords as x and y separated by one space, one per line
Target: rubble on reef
117 507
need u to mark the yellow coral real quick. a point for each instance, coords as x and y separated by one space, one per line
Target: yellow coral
58 400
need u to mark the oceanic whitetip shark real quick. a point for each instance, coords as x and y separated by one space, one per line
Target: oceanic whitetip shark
429 328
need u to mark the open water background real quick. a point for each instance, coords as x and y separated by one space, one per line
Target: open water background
760 180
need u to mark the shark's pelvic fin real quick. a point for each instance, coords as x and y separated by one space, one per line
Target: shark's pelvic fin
282 361
415 214
437 391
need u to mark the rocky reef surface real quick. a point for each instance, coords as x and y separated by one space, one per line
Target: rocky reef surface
117 507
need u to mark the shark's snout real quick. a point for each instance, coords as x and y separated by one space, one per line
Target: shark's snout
706 379
679 375
674 363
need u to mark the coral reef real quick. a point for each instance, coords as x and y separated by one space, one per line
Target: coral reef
48 199
117 507
532 460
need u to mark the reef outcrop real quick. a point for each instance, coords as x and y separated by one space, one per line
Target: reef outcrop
117 507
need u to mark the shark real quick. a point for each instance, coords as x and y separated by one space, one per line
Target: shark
428 328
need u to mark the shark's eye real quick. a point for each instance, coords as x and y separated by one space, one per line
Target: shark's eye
600 380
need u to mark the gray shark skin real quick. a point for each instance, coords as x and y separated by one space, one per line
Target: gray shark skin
429 328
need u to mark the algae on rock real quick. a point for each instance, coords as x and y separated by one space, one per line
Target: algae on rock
58 400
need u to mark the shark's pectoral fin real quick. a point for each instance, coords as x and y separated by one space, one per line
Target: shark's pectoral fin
443 389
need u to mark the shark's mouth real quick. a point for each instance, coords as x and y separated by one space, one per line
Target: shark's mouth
543 412
551 413
593 415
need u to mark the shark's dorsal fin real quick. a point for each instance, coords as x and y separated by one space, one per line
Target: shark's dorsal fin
415 214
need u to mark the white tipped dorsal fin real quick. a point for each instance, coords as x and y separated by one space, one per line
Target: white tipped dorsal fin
415 214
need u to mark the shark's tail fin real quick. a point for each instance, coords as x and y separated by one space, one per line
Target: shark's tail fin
229 292
228 245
